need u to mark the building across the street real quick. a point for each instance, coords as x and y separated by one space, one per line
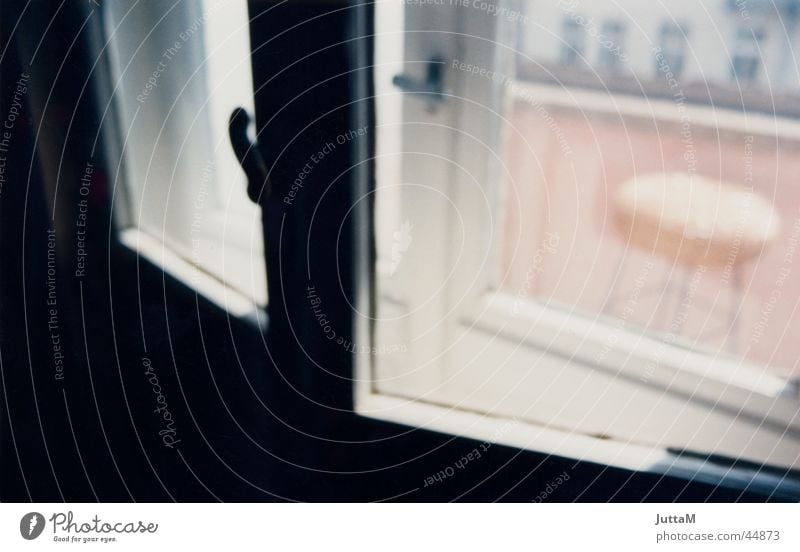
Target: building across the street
714 44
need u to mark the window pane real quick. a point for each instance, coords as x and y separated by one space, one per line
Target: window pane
663 199
604 247
179 70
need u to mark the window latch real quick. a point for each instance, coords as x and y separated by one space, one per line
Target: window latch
431 89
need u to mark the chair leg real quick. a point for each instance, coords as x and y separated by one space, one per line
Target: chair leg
682 289
733 335
611 296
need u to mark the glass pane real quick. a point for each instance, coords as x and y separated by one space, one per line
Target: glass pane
179 71
652 166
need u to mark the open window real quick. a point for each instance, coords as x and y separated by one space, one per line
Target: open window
605 260
178 71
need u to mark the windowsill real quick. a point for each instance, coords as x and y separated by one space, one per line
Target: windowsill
672 366
476 403
575 446
231 301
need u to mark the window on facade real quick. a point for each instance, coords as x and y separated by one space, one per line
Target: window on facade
612 45
746 62
672 42
574 42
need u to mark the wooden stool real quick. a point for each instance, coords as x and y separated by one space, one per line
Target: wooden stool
695 222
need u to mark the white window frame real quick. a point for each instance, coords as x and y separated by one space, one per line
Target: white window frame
210 236
416 387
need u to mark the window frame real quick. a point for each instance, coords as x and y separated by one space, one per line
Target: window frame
421 408
201 259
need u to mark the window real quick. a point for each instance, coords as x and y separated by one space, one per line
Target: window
574 42
612 45
609 271
746 62
672 41
179 70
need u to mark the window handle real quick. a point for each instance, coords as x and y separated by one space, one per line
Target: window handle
431 89
249 157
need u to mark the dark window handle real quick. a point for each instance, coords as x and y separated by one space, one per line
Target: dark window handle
258 186
431 89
